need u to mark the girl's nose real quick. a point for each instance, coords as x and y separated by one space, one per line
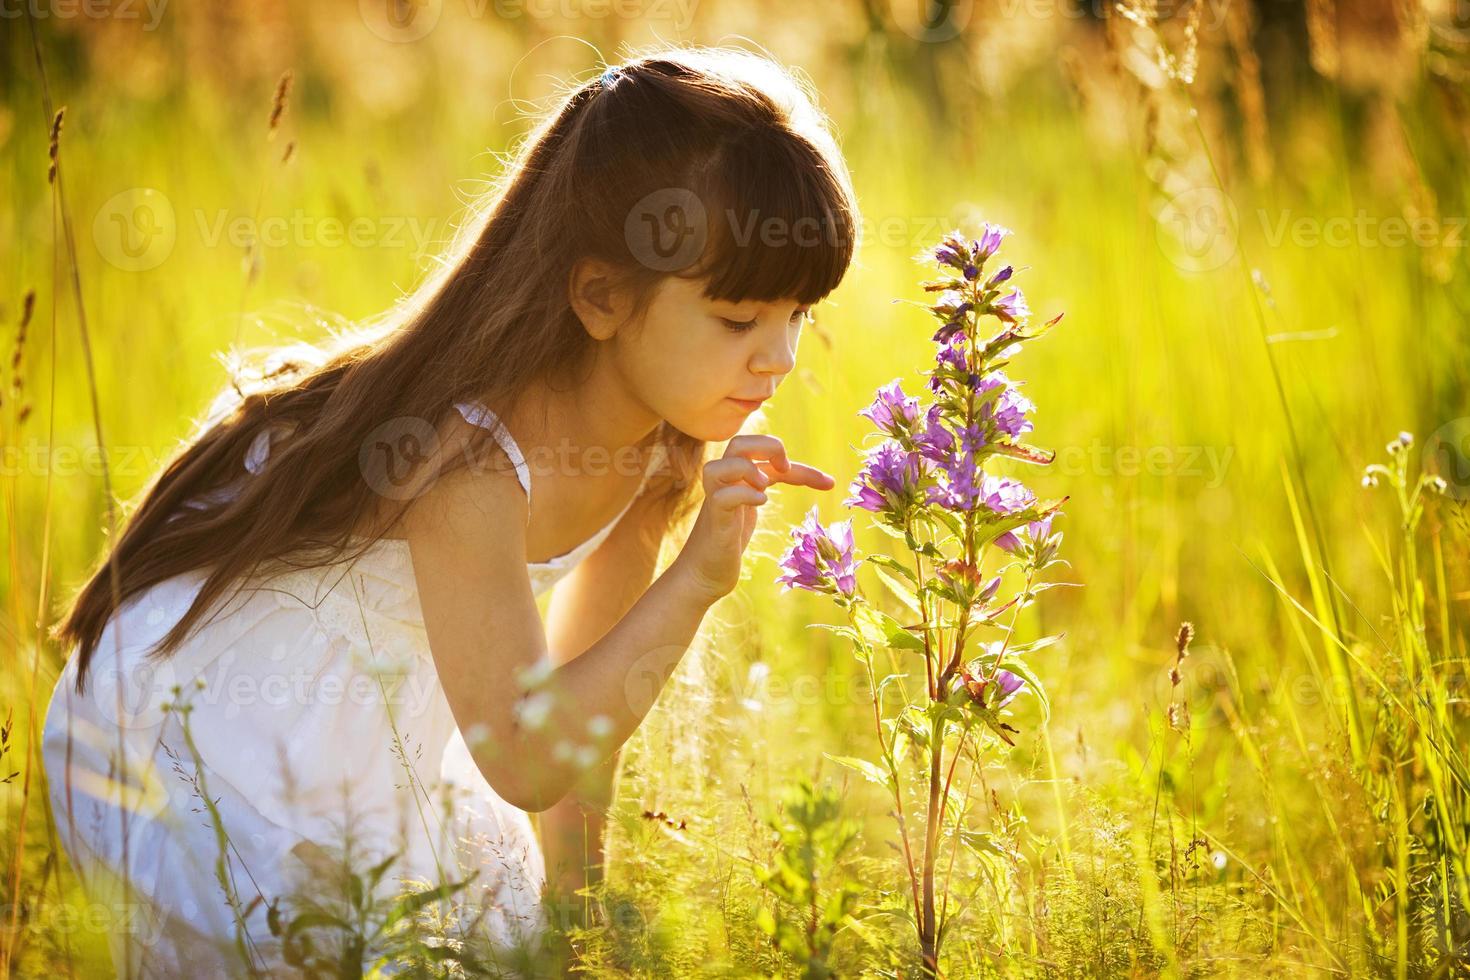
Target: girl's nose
777 358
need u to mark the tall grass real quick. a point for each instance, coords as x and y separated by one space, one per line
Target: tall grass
1244 821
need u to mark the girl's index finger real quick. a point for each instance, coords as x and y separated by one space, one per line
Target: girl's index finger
760 448
802 475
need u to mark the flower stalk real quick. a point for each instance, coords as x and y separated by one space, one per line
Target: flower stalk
929 484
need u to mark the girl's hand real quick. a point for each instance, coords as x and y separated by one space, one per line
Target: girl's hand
734 486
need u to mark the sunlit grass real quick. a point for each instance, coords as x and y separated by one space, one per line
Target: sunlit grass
1250 841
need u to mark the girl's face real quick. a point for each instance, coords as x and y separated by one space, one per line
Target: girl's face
694 359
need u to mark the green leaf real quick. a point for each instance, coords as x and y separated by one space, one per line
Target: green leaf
993 528
900 591
841 629
314 920
1023 452
868 769
882 629
891 531
911 721
1039 644
893 564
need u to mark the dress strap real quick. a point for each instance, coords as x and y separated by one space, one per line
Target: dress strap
477 414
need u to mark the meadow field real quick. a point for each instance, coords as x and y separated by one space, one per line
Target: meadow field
1254 216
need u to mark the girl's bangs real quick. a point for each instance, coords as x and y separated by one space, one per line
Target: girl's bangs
781 224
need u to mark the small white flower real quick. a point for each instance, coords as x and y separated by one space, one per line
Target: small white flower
533 709
535 675
476 735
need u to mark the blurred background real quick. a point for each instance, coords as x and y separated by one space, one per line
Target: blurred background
1254 215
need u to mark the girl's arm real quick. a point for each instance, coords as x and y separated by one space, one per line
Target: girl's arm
467 540
588 602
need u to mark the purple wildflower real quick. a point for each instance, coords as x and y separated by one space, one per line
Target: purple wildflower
1011 307
952 307
997 690
821 560
1036 532
1000 277
957 490
889 480
1008 412
934 441
989 241
972 438
951 357
1008 686
948 255
963 579
1003 495
949 330
892 411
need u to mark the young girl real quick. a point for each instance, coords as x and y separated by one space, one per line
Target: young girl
317 638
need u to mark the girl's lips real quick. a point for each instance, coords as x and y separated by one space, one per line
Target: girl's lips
749 406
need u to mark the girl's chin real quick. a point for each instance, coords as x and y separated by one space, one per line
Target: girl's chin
717 426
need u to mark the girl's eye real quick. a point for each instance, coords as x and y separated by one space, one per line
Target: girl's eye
740 326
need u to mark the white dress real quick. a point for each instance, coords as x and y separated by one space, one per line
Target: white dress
320 710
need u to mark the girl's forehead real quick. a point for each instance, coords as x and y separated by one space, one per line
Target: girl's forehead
693 290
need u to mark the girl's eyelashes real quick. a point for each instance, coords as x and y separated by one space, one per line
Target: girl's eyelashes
741 326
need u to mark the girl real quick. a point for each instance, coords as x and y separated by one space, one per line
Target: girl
316 642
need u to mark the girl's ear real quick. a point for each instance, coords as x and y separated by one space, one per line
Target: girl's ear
597 297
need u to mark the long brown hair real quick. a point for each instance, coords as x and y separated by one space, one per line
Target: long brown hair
737 131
